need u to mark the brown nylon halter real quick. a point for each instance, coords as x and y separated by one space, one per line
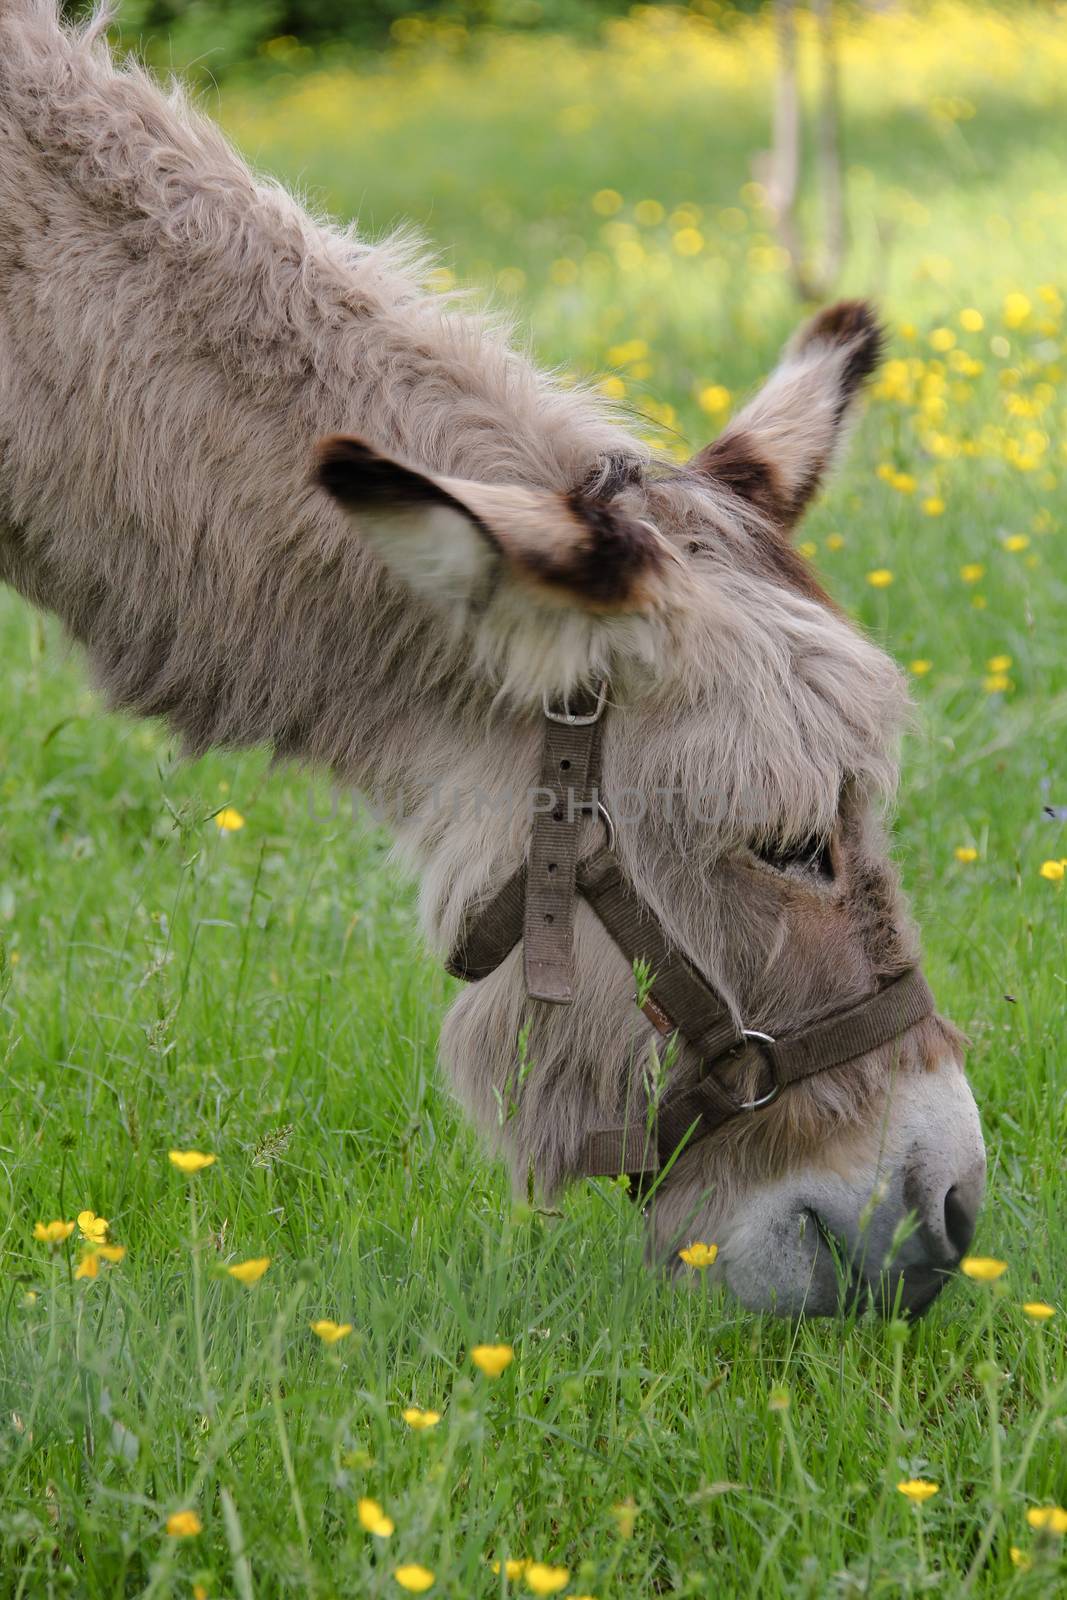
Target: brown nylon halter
536 905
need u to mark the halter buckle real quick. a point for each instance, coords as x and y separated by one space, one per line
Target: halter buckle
764 1099
577 719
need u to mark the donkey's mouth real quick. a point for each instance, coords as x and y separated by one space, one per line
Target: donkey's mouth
922 1285
887 1289
906 1292
853 1286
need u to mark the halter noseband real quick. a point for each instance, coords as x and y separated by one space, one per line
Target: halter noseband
536 904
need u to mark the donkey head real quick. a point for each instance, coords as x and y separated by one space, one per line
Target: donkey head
749 752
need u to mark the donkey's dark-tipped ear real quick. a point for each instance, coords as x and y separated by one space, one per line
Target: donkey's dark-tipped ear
452 540
776 451
360 478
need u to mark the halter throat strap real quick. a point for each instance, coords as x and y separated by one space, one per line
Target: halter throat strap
537 905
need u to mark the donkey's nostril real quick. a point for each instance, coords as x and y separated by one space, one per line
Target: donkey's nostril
960 1218
946 1204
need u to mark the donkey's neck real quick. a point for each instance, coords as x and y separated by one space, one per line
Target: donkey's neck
174 338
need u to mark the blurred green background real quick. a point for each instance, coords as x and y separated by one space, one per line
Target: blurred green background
183 32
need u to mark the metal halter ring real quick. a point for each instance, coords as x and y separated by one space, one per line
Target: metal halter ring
775 1091
609 824
588 807
578 719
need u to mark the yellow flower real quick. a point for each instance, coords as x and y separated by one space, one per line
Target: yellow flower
249 1272
374 1519
1016 542
687 242
92 1227
414 1578
972 321
1016 309
942 339
998 664
920 666
229 819
880 578
1053 871
52 1232
996 683
614 388
649 212
1020 1559
606 202
184 1524
917 1489
199 1591
985 1268
331 1332
625 1514
542 1579
934 506
1051 1519
89 1265
714 399
512 1569
808 548
1038 1311
625 354
420 1420
834 541
492 1358
965 853
190 1160
973 572
778 1399
699 1255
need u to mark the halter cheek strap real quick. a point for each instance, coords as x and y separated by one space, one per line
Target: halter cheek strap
570 772
536 905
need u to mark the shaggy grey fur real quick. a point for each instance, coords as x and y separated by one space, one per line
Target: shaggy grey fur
176 337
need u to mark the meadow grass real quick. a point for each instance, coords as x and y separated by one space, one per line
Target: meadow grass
261 994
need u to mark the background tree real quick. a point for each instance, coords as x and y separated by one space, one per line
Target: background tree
814 271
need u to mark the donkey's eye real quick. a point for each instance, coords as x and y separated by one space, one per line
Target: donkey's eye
813 856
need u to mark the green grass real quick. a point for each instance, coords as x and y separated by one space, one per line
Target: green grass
262 995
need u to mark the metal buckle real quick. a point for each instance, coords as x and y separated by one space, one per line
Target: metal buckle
577 719
764 1099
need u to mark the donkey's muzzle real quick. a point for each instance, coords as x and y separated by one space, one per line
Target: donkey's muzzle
945 1215
880 1225
898 1255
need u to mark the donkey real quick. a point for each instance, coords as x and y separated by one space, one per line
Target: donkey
283 494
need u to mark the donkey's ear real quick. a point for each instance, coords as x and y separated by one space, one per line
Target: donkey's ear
452 541
775 452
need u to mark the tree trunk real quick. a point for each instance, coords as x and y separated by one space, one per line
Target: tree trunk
783 187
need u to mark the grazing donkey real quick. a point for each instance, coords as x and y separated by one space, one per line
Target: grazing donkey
283 495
